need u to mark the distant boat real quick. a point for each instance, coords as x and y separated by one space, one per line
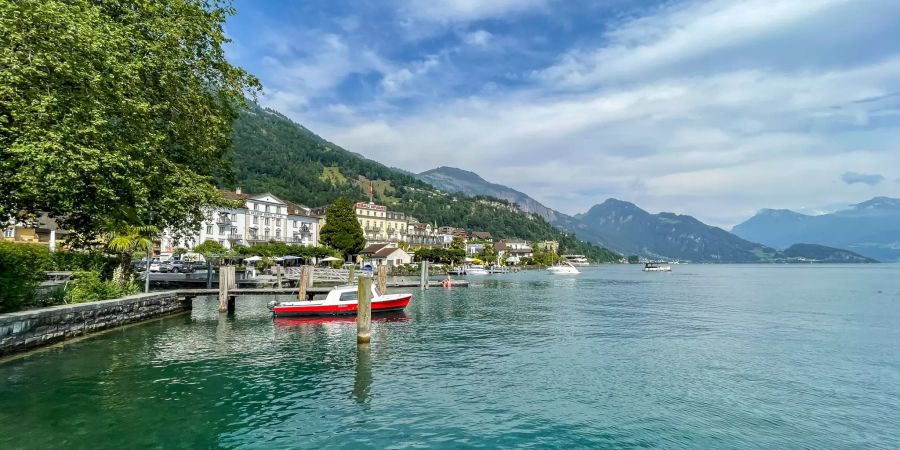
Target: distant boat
655 266
563 268
576 260
476 270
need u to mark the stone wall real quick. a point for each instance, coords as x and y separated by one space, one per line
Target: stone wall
25 330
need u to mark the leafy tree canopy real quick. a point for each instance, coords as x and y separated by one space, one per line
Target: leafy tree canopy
115 112
342 230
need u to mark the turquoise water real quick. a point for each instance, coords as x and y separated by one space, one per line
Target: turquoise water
704 357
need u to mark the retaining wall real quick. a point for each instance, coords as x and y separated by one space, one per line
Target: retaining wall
26 330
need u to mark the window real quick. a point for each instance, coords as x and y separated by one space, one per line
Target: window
267 234
256 206
233 231
349 296
255 220
267 221
267 208
278 232
9 232
277 222
295 223
233 217
209 229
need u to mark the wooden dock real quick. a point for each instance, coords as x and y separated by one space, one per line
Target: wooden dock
191 293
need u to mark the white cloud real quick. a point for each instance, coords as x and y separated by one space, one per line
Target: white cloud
721 145
682 33
478 38
444 11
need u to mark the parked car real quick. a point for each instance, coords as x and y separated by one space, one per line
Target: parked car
154 265
139 266
175 266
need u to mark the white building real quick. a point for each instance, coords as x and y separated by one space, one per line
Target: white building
263 218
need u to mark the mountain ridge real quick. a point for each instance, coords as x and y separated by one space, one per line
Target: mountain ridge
870 228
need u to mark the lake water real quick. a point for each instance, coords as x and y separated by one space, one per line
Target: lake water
705 357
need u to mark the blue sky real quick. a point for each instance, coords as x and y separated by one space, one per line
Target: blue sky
713 108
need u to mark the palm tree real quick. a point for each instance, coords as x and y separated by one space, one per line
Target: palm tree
129 240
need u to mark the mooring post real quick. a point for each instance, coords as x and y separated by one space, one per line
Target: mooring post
350 274
425 275
208 275
301 284
364 311
226 282
382 279
422 274
278 268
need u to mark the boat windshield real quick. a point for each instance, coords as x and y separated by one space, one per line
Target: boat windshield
350 296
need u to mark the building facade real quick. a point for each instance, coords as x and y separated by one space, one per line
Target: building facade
380 225
263 218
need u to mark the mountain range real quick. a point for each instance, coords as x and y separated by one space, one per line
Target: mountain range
870 228
271 153
629 230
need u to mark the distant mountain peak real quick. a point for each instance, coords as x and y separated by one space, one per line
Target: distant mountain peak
879 202
453 179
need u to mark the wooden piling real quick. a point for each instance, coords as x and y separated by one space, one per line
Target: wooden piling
226 282
305 273
279 270
364 311
382 279
422 281
425 275
350 274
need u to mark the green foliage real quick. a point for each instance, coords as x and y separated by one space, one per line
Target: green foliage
87 286
115 112
634 259
342 230
22 267
208 248
542 258
441 255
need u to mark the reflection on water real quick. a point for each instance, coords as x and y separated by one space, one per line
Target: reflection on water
704 357
363 381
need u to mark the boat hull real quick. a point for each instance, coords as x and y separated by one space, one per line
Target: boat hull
341 309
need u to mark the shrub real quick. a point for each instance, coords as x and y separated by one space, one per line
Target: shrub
22 267
87 287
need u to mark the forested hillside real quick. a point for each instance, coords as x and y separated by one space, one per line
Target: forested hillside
270 153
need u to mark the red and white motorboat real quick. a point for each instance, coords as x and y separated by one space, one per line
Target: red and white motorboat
341 300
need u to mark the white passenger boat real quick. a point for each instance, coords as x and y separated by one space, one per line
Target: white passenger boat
655 266
476 270
563 268
576 260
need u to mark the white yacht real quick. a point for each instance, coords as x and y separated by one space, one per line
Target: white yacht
563 268
654 266
576 260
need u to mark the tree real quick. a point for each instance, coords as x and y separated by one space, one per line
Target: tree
115 113
634 259
209 248
129 240
342 230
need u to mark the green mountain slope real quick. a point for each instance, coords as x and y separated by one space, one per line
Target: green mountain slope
270 153
823 254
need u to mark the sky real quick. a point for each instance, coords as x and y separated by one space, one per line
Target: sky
710 108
